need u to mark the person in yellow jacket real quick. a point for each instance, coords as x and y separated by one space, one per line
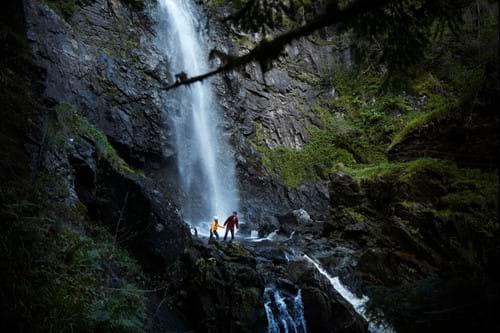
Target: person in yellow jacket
213 228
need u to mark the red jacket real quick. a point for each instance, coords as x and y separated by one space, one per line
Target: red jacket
231 222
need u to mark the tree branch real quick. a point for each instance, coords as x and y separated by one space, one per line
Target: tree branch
268 50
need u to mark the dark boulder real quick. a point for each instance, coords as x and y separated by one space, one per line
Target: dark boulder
344 191
223 289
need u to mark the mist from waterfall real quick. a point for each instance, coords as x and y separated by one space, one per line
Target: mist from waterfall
204 158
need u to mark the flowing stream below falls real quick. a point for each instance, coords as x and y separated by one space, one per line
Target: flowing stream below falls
284 315
357 303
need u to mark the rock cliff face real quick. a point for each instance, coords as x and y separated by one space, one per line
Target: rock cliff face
103 137
101 64
104 62
105 141
271 109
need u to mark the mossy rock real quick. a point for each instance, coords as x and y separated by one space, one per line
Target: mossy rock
68 125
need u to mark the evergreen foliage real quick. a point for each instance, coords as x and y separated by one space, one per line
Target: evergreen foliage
375 108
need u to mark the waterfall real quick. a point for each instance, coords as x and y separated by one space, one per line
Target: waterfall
283 317
298 312
357 303
205 162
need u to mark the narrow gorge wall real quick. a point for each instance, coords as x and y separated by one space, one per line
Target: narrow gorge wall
102 82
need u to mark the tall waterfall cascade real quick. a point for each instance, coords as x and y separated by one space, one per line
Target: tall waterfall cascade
205 162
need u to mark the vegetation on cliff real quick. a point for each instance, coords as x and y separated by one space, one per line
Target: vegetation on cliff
67 124
429 224
374 109
59 271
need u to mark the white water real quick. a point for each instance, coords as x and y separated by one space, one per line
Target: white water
357 303
283 317
204 159
272 236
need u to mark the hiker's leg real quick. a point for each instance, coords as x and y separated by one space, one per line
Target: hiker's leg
225 236
216 235
211 234
232 233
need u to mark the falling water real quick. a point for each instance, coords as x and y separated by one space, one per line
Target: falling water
204 159
298 313
357 303
283 317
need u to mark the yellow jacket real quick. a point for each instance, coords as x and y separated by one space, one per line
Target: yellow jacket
215 225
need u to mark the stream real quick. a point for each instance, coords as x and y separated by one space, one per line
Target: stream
358 303
284 315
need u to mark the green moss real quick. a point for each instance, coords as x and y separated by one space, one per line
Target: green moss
354 215
428 84
216 3
260 144
61 273
70 124
402 170
308 78
353 132
242 41
65 8
436 108
318 158
470 193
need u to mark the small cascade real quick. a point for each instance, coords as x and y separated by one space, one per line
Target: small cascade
357 303
272 236
298 312
290 255
284 316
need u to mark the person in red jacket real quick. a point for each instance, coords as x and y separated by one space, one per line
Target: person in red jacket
230 223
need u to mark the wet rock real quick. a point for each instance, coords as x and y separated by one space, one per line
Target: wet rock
344 190
92 63
137 213
354 230
267 225
320 309
322 302
302 216
224 289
